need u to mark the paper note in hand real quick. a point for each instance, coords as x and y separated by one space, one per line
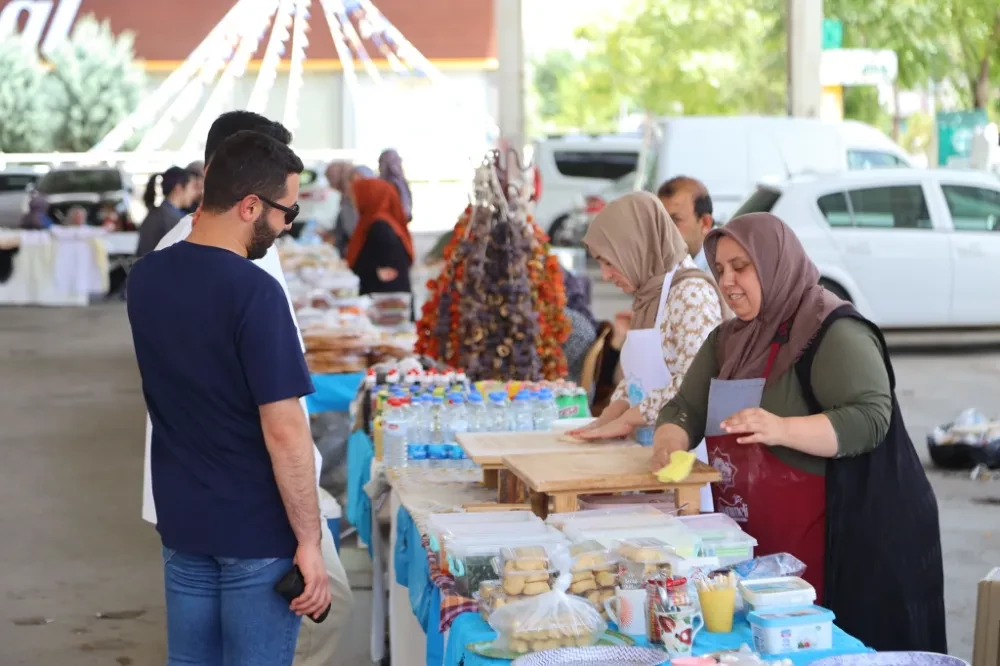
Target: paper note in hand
728 396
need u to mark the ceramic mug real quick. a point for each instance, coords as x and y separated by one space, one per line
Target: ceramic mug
678 629
627 609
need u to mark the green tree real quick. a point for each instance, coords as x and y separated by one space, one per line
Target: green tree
25 124
94 83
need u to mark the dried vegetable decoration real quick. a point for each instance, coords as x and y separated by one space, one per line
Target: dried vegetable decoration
496 309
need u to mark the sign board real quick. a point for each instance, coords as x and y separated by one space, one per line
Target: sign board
955 130
857 67
833 33
32 17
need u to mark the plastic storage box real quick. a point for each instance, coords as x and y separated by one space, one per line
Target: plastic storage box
764 594
787 630
721 537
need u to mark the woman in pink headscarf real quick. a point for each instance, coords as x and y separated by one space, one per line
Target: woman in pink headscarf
390 168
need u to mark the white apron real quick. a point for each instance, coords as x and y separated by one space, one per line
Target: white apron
646 371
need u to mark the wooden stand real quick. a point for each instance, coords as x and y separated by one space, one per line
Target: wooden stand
556 481
487 449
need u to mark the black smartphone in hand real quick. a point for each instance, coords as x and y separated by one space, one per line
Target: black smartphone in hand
292 585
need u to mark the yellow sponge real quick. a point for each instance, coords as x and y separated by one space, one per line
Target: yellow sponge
681 463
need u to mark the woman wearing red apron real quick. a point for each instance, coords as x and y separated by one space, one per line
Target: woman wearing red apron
795 400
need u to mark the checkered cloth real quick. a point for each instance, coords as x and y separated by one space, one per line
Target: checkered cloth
453 604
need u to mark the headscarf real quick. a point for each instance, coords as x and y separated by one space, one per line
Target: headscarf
578 295
37 216
390 168
338 174
790 290
635 234
377 200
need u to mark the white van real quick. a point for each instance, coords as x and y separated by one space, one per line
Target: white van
731 155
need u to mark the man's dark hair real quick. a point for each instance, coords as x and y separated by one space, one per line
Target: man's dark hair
231 122
246 163
702 201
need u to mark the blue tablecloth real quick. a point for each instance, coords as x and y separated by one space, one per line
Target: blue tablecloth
360 453
413 573
470 628
334 393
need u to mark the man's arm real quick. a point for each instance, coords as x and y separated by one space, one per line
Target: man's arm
289 443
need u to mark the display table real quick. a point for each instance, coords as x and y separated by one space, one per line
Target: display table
334 393
61 267
471 628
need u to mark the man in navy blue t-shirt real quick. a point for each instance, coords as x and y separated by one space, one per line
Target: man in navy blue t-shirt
232 455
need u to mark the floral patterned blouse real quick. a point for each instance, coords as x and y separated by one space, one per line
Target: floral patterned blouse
693 311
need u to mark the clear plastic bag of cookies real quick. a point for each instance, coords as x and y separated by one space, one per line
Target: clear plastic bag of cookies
550 620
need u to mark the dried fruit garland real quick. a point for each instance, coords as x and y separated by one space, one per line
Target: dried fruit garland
496 309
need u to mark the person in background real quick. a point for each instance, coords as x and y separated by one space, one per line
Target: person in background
196 169
76 216
390 168
809 439
340 174
690 207
583 325
179 187
380 251
317 643
674 308
232 477
37 216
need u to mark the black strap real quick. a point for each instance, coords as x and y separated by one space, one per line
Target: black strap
803 367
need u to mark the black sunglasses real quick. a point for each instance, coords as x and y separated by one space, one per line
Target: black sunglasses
290 213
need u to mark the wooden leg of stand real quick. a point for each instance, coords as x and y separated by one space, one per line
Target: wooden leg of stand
689 500
540 505
564 503
491 478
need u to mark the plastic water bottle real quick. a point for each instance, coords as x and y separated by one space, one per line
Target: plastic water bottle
546 411
417 439
457 421
476 410
394 434
437 445
524 418
499 415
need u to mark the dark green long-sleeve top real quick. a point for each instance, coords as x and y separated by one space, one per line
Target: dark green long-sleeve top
848 378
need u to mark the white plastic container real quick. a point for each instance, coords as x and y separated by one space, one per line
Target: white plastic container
721 537
787 630
766 594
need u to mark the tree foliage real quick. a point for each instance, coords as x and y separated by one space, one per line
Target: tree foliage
725 57
94 83
25 122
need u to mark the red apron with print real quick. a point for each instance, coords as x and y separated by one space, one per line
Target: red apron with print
782 507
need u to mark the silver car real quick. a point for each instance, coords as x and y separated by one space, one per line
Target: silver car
14 193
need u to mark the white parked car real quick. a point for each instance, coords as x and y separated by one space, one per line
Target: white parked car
567 168
912 248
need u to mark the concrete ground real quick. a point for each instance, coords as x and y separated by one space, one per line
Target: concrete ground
73 544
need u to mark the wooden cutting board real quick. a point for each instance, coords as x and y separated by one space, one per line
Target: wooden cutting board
489 448
613 469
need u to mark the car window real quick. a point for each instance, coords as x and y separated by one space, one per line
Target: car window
76 181
873 159
761 201
896 207
973 208
835 209
16 182
595 164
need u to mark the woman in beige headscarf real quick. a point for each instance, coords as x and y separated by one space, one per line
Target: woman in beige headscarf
674 308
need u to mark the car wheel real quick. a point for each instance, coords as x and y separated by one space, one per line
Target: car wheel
836 290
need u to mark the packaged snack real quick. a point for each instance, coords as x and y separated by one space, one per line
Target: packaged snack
490 597
550 620
645 557
525 571
594 570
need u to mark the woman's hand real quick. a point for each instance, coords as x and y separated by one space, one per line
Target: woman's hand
667 439
759 426
387 274
610 413
620 427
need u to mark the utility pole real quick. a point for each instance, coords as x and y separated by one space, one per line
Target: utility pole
510 74
804 25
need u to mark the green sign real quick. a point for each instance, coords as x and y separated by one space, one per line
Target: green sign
955 130
833 33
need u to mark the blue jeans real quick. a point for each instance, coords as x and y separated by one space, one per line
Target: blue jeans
223 611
